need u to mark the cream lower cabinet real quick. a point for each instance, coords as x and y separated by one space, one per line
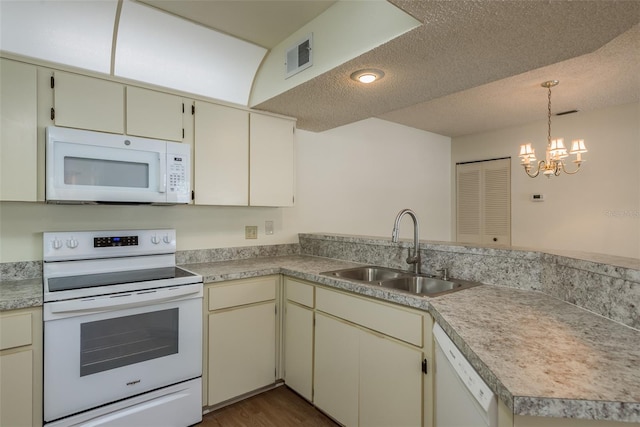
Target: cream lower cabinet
241 337
21 368
368 361
298 336
390 382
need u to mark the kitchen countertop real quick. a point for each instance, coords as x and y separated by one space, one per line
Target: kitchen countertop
542 356
15 294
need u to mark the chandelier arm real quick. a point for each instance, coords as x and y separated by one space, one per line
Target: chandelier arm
563 167
541 166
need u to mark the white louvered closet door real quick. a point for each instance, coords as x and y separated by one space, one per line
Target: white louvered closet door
484 202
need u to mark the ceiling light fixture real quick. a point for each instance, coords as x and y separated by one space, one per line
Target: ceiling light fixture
553 163
368 75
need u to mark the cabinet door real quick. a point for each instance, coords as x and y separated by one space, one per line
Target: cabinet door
154 114
88 103
336 369
221 160
390 382
242 351
271 161
16 393
18 137
298 349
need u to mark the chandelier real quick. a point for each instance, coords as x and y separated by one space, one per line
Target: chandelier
556 152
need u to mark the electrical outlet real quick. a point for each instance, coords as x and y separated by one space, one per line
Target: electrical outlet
251 232
268 228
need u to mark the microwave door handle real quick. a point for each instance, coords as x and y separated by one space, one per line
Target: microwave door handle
162 172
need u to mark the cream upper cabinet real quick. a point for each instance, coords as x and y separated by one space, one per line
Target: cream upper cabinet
242 158
271 161
298 337
154 114
18 132
221 159
88 103
21 367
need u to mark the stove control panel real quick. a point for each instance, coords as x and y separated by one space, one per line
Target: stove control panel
101 242
62 246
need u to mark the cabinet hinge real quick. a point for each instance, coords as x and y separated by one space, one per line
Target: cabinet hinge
182 133
53 114
53 82
193 110
193 195
183 107
424 366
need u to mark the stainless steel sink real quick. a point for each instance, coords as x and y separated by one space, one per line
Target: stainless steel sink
400 280
367 274
421 285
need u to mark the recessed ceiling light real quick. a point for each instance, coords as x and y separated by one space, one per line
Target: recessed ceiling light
368 75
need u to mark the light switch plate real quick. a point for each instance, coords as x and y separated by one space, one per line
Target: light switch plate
268 228
251 232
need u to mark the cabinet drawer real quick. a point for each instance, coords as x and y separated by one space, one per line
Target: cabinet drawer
395 322
299 292
241 292
15 330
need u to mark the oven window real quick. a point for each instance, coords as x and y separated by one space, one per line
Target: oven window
105 173
113 343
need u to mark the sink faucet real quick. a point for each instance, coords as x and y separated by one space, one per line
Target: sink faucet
415 259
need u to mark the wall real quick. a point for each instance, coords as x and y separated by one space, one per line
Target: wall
354 178
597 210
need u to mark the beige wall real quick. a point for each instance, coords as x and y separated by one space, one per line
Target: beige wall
356 178
352 179
597 210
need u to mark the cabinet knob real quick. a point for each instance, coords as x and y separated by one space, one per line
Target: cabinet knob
495 239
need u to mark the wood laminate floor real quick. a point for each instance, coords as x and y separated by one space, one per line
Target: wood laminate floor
279 407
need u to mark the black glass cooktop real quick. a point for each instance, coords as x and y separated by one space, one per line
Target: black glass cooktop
115 278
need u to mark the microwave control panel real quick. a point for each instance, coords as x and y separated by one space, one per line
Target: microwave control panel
178 177
177 174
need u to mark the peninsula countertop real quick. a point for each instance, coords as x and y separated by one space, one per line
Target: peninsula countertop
542 356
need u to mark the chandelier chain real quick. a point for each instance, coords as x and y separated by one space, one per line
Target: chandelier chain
549 118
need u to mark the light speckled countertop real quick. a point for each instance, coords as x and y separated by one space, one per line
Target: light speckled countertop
542 356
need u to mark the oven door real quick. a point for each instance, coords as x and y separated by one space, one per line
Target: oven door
103 349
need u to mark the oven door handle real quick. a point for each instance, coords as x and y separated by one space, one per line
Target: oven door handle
147 297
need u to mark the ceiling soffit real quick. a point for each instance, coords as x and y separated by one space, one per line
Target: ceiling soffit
246 19
461 45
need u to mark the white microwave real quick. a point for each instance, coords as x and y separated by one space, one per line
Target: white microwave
94 167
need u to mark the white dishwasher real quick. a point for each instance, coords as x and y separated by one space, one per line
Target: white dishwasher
463 399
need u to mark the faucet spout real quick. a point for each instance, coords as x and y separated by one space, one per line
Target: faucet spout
415 259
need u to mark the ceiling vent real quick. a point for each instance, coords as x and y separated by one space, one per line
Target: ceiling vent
299 56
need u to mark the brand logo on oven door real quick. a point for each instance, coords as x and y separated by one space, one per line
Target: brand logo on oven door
134 382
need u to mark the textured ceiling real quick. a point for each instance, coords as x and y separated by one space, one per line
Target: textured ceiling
477 65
